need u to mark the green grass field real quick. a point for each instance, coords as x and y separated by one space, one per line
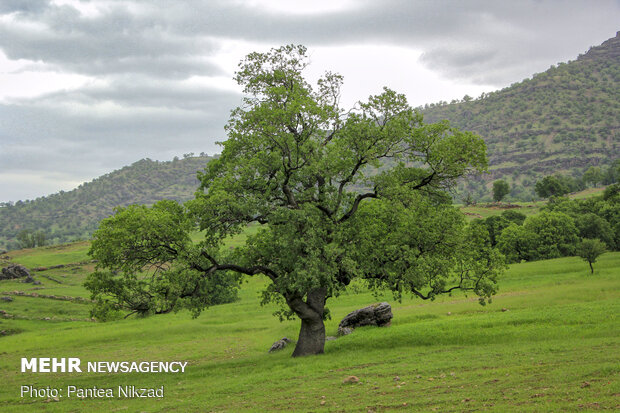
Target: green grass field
550 341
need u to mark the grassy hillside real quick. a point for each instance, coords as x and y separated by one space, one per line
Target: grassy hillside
562 120
73 215
549 342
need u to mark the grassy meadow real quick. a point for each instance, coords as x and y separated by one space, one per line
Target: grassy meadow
550 341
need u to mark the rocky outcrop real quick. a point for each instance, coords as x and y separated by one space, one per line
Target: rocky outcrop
378 315
14 271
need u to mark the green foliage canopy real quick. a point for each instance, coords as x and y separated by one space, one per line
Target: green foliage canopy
590 250
500 190
544 236
552 185
30 239
145 261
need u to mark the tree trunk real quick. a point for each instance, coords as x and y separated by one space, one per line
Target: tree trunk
591 268
311 338
312 333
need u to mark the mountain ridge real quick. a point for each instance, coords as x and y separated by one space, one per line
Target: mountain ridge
562 120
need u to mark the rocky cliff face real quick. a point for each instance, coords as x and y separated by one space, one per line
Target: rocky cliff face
608 50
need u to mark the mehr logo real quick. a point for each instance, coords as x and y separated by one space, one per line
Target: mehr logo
51 365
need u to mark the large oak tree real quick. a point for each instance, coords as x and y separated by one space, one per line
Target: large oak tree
340 195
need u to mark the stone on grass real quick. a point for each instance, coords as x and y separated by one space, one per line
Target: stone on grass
280 344
350 380
344 331
378 315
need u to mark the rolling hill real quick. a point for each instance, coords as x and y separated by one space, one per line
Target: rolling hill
565 120
73 215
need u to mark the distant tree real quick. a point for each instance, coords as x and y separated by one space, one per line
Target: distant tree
468 199
590 250
573 184
514 216
30 239
495 225
553 233
294 161
551 186
612 173
546 235
593 176
500 190
25 239
516 243
40 238
594 227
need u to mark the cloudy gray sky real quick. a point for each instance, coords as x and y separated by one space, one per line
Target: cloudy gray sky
88 86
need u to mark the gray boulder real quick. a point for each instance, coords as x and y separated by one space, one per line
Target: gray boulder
344 331
29 279
378 315
280 344
14 271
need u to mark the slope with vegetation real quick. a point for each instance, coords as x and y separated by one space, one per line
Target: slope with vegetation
72 215
565 119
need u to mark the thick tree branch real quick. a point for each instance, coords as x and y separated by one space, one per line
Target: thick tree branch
356 204
257 269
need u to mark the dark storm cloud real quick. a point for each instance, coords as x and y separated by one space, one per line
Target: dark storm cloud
171 39
63 136
137 118
23 6
509 37
135 94
143 52
116 42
